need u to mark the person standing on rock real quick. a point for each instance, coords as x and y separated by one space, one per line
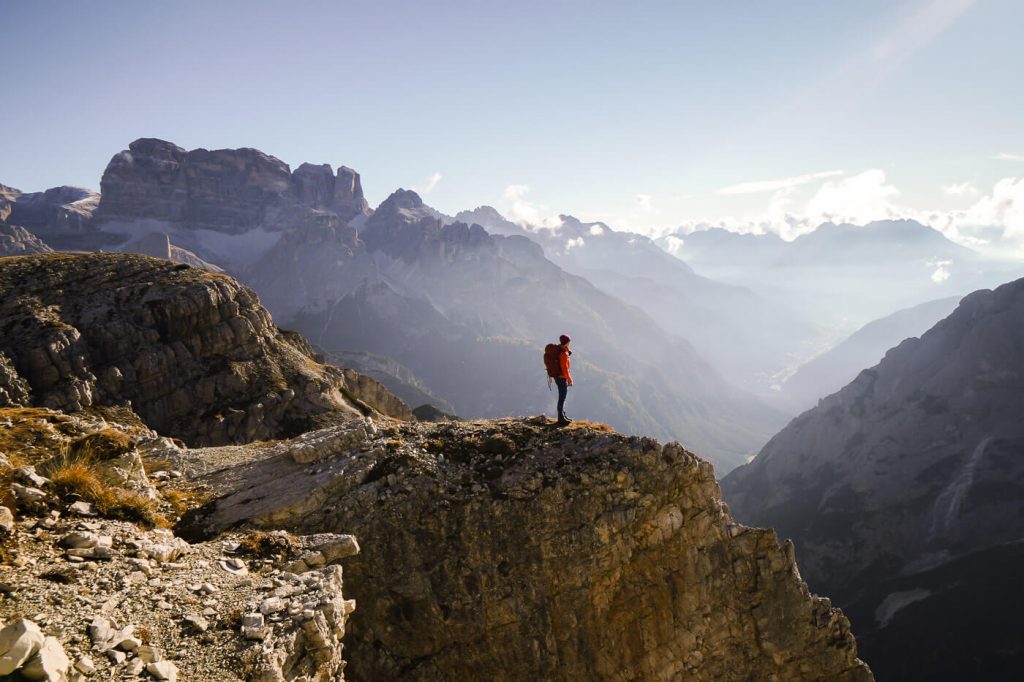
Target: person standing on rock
556 362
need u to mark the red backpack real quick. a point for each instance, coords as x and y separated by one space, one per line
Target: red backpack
553 360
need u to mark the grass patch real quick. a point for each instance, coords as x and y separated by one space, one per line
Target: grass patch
78 479
596 426
183 501
276 545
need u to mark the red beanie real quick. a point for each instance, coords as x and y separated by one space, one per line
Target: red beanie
564 338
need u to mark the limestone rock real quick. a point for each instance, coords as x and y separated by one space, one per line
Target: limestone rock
49 663
155 184
57 210
19 641
6 522
163 670
907 486
570 554
17 241
194 353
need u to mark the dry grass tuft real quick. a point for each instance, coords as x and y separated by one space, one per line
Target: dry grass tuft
276 545
76 478
596 426
102 445
34 434
183 501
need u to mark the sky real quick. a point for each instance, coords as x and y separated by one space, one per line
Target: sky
650 116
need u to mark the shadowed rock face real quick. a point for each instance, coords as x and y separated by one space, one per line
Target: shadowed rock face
17 241
57 210
195 353
915 464
513 550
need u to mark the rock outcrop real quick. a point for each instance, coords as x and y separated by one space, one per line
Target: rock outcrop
895 488
194 353
227 205
514 550
56 210
17 241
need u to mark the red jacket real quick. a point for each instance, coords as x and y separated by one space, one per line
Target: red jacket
563 363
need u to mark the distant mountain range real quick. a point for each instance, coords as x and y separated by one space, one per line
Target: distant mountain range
843 276
904 495
748 337
460 313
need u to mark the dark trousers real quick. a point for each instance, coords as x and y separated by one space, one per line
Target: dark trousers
563 390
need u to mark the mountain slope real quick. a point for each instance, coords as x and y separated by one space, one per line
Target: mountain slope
194 354
836 367
469 312
918 461
748 338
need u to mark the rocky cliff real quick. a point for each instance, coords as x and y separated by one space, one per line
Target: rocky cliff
228 206
895 488
17 241
513 550
194 353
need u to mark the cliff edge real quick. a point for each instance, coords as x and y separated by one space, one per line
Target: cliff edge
510 549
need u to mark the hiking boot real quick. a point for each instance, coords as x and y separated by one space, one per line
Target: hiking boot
563 422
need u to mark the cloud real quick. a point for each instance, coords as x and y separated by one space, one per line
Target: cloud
941 273
643 201
596 230
961 189
1003 208
525 213
428 186
775 185
857 199
574 243
673 244
516 191
1004 156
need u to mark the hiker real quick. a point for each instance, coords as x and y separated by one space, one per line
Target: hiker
556 362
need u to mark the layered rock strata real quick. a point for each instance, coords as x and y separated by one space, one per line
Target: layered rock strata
194 353
904 494
512 550
17 241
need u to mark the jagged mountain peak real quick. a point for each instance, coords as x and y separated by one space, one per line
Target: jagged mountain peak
401 199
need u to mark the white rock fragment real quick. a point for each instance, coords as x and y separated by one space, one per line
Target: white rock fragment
116 657
85 665
81 508
233 566
149 654
134 667
19 641
197 622
129 644
28 476
272 605
79 540
163 670
27 493
252 626
6 521
50 663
